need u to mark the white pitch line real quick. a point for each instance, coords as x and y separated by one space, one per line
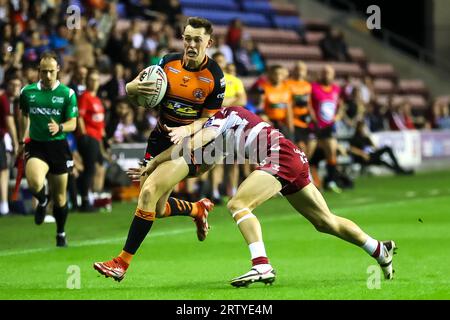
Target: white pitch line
86 243
410 194
434 192
180 231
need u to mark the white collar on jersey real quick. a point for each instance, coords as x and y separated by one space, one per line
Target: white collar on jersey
53 88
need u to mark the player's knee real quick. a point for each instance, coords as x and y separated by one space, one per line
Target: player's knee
146 192
236 204
35 184
60 200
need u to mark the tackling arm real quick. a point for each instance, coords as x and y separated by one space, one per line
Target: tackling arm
201 138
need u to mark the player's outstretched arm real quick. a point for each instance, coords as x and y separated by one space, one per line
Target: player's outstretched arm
177 134
176 151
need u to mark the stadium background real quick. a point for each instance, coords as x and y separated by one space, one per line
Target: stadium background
401 63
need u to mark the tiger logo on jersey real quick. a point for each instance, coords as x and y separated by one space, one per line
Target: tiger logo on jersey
198 93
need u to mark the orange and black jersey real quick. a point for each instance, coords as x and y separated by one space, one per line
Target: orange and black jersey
190 92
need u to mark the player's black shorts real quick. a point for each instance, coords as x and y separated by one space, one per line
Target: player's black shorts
56 154
160 141
302 134
157 142
3 160
325 133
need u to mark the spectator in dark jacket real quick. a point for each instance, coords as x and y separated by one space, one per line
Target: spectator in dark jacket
334 47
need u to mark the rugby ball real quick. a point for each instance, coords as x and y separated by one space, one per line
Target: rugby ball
155 74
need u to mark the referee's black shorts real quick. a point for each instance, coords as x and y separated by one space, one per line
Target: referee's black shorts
55 153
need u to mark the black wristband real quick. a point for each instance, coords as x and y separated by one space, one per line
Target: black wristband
60 127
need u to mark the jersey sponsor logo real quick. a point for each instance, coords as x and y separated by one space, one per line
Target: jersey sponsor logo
186 79
207 80
278 105
176 71
98 117
181 109
199 94
209 122
45 111
57 99
327 110
221 95
69 163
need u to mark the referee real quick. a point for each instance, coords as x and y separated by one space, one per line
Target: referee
49 111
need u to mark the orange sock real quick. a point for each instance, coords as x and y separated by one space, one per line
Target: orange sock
177 207
125 256
332 161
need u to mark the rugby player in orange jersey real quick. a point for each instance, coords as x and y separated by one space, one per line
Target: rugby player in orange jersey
196 87
277 101
301 95
281 168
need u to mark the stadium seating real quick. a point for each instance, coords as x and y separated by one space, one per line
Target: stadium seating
265 34
285 9
314 37
381 70
357 54
383 86
417 102
341 68
263 7
225 17
273 35
313 24
302 52
287 22
412 86
210 4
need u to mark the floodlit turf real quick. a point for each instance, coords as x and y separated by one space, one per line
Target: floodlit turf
172 264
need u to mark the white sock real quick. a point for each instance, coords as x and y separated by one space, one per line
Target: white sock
4 208
257 249
233 191
371 246
262 267
216 194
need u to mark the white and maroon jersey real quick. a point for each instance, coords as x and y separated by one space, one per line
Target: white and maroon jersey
242 131
325 103
262 143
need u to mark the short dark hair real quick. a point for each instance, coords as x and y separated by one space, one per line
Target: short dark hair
217 54
197 22
92 71
50 55
274 67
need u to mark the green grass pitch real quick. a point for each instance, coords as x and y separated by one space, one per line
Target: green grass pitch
172 264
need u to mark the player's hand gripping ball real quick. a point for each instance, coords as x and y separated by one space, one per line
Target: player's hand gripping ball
157 75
